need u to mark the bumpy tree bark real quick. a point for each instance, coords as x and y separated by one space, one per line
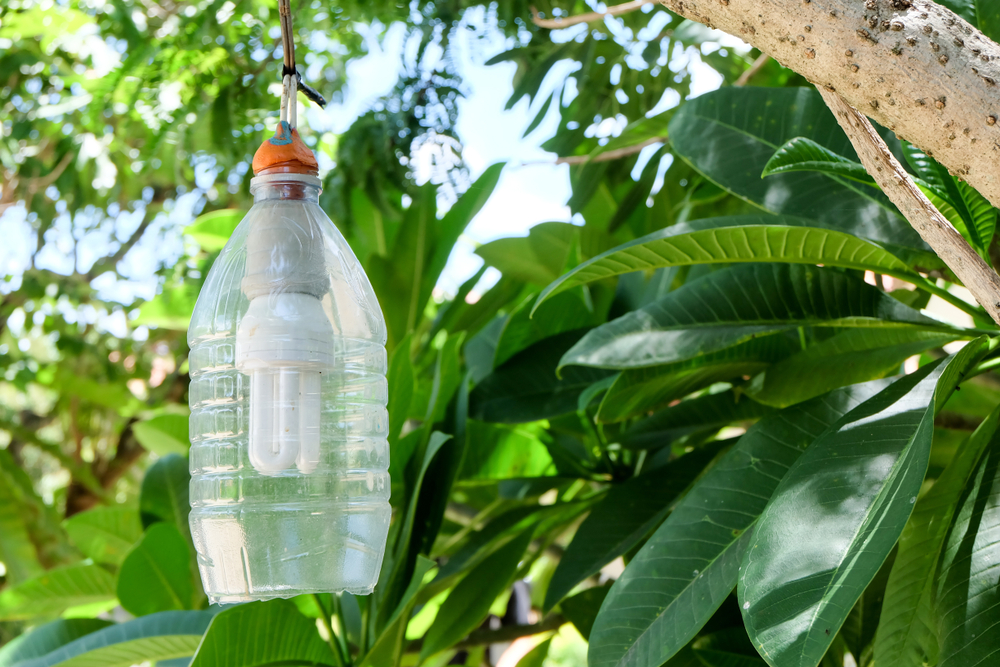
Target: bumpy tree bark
912 65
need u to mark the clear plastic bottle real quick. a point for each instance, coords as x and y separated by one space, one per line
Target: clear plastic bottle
289 458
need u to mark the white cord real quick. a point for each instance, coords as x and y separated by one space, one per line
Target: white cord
285 83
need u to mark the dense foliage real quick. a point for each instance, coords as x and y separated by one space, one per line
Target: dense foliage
701 377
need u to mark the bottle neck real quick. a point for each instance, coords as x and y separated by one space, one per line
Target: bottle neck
272 187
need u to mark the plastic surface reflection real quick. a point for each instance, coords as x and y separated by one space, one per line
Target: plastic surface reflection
289 458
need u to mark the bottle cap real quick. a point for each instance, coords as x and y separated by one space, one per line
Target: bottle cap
284 153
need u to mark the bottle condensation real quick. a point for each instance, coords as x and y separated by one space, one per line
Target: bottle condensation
289 459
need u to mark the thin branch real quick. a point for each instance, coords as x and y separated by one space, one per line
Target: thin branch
559 23
509 633
610 155
757 66
933 228
110 263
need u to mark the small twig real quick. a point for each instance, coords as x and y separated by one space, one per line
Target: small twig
610 155
981 280
559 23
752 71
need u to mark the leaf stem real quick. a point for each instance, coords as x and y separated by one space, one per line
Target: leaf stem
333 640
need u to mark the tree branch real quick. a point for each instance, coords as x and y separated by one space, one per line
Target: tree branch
914 66
609 155
559 23
757 66
933 228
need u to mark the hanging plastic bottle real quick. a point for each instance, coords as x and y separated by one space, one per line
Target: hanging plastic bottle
289 458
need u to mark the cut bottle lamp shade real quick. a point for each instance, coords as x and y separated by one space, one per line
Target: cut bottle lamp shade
289 458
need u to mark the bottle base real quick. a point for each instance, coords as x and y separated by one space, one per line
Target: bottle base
250 553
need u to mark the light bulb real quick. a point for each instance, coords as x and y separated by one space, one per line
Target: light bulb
285 344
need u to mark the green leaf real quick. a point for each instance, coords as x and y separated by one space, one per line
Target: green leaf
389 645
469 602
801 154
689 566
400 561
711 658
47 638
164 493
859 482
212 230
736 305
105 534
959 202
581 609
906 635
735 239
526 387
711 411
639 390
505 452
401 381
730 135
17 552
849 357
536 656
262 633
567 312
157 637
171 309
623 518
965 590
165 434
156 576
57 590
541 256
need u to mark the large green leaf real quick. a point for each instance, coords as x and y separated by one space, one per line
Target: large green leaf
157 637
743 238
959 202
711 411
858 484
401 381
165 434
469 602
56 590
569 311
639 390
906 635
389 645
156 576
105 534
164 493
801 154
966 597
623 518
730 135
504 451
526 387
736 305
691 563
849 357
262 633
47 638
581 609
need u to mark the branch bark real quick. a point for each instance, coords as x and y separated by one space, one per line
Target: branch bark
559 23
976 274
912 65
